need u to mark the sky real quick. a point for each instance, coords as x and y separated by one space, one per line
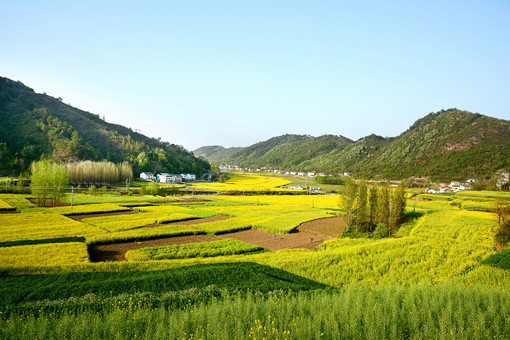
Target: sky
234 73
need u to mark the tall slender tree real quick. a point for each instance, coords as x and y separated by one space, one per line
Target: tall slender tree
361 206
347 200
373 202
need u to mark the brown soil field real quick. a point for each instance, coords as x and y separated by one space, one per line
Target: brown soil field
185 222
309 235
9 211
116 251
48 203
79 217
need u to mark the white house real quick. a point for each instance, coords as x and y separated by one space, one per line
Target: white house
147 176
322 174
170 178
311 174
347 174
301 174
188 177
472 180
293 173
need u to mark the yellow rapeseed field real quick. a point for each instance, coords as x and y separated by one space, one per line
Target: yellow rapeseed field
38 226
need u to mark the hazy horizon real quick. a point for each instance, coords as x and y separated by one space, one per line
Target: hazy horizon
236 73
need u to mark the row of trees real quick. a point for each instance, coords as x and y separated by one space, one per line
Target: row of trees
380 206
99 172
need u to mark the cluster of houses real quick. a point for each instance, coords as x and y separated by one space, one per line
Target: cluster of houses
167 178
454 186
275 171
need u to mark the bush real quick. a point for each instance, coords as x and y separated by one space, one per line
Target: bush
381 231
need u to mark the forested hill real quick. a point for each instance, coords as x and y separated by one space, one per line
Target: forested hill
36 124
215 153
450 144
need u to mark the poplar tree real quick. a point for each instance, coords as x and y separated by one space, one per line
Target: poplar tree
361 206
383 212
373 201
347 200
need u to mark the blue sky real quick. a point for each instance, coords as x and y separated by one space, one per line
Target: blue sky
234 73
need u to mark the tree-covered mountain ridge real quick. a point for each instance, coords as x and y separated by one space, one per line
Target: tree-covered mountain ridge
447 145
36 125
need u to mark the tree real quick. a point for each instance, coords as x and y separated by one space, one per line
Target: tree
383 211
48 181
361 206
373 202
503 212
397 207
347 200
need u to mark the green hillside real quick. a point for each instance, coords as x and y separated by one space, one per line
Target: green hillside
450 144
35 124
215 153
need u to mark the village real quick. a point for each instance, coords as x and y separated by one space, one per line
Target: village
167 178
502 178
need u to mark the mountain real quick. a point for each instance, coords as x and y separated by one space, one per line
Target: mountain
214 153
449 144
35 125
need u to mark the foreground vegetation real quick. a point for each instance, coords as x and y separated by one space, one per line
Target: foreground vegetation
381 313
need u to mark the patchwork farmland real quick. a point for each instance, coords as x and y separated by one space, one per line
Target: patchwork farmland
258 266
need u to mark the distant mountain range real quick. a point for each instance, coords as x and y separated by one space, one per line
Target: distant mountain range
450 144
35 125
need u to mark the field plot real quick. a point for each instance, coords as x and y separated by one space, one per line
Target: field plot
88 209
52 254
4 206
309 235
38 226
17 201
209 249
117 251
248 183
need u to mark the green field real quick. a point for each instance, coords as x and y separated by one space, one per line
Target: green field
439 276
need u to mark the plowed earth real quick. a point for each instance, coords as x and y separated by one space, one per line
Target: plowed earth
308 235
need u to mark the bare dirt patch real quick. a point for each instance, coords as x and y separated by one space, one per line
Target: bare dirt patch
5 211
185 222
328 228
79 217
200 220
309 235
48 203
117 251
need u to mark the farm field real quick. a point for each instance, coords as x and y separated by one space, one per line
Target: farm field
278 264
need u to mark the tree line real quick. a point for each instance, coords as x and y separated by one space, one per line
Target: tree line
99 172
379 209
